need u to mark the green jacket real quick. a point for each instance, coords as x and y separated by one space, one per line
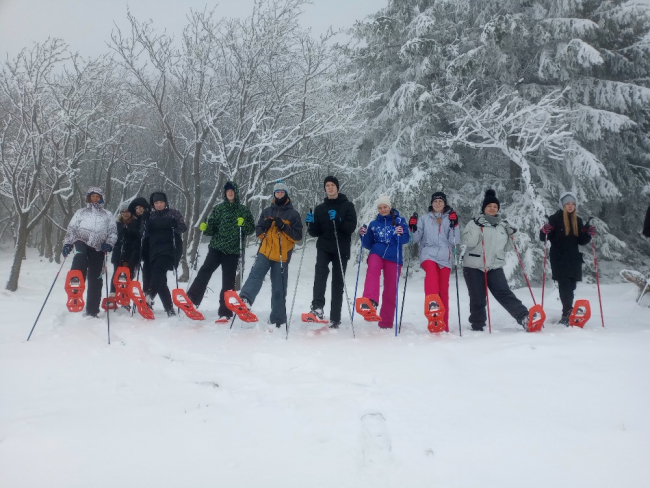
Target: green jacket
222 224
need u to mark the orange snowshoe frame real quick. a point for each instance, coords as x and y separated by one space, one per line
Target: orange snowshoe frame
75 301
137 295
310 317
580 314
435 315
234 303
536 318
367 310
182 301
122 296
109 303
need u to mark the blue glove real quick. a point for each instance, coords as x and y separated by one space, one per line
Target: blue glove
332 214
309 219
106 247
67 249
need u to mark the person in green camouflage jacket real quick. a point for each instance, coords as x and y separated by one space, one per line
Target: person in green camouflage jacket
228 224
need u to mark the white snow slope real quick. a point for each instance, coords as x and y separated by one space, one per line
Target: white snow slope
176 403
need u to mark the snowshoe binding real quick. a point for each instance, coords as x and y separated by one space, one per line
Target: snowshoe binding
109 303
536 318
434 311
237 305
74 287
121 282
314 316
581 313
182 301
367 309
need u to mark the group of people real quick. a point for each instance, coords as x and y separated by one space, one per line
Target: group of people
148 234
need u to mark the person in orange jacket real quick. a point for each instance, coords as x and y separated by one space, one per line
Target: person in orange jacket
279 227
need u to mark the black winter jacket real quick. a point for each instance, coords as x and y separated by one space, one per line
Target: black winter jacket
566 259
127 247
158 236
345 221
646 224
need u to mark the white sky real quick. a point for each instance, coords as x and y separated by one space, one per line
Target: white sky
86 24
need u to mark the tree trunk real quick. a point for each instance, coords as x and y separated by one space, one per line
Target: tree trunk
19 252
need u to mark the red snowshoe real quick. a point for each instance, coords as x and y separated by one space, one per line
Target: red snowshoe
235 303
182 301
223 320
121 282
536 318
310 317
580 314
367 310
74 287
135 291
434 311
109 303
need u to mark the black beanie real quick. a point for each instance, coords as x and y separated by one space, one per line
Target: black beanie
490 197
440 195
332 179
228 186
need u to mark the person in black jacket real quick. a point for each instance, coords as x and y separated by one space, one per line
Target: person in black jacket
162 239
332 219
565 231
646 223
127 248
140 208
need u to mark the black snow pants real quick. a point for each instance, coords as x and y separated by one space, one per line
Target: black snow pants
323 259
566 286
91 263
498 285
158 279
213 260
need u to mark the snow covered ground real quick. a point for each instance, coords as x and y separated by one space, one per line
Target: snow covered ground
175 403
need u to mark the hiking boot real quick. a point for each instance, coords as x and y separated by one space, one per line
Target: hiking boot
565 319
149 299
94 315
478 327
171 312
334 324
246 302
318 313
523 321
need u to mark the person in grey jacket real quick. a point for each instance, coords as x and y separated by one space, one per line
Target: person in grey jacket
491 232
91 233
437 232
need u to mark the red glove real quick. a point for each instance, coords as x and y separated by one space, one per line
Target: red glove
547 229
453 219
413 223
591 230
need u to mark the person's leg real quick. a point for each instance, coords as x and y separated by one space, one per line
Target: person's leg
498 285
321 272
443 290
430 277
388 297
95 281
80 258
475 281
255 279
200 283
371 286
279 276
338 284
229 264
566 287
158 286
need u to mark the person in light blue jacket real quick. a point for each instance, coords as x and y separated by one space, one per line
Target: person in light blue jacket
437 233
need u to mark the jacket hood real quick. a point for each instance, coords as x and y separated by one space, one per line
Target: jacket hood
140 201
95 189
235 188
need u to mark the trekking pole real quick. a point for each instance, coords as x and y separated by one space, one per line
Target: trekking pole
108 306
356 286
284 287
544 267
406 280
175 269
600 301
460 329
345 288
521 263
295 290
487 294
397 284
47 297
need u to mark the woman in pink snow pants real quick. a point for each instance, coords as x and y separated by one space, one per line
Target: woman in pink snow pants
437 232
384 237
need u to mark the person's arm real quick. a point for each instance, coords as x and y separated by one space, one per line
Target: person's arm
249 224
212 223
73 227
315 229
348 223
646 223
111 231
471 234
293 229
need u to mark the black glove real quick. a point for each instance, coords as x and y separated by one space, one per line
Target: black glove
106 247
279 223
67 249
266 224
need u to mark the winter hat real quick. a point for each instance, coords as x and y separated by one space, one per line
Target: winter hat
332 179
94 189
490 197
158 196
383 200
138 202
280 186
440 195
568 197
229 186
124 206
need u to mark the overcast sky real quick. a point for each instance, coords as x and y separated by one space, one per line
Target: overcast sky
86 24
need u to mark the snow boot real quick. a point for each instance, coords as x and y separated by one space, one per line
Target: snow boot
334 324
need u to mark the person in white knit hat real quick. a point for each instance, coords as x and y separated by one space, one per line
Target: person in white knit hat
384 237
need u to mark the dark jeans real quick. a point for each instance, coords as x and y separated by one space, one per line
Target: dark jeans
213 260
323 259
279 279
498 285
158 280
567 286
91 263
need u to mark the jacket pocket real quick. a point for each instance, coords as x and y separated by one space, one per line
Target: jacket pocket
500 256
475 255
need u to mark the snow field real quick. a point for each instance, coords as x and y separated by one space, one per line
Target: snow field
174 403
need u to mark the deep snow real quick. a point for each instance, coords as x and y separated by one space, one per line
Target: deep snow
176 403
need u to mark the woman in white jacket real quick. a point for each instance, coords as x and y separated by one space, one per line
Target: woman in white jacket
92 232
437 232
490 232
